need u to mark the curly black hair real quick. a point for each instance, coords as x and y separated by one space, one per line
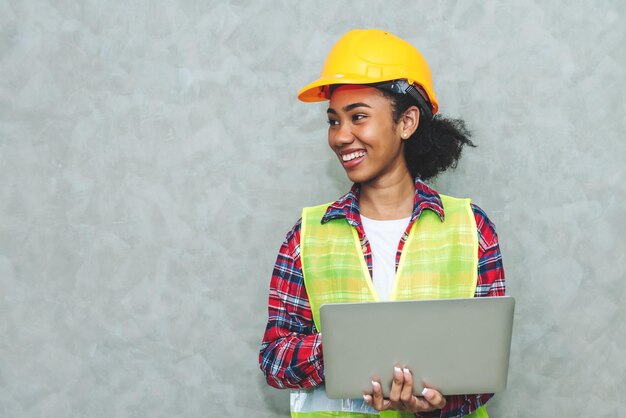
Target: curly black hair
437 143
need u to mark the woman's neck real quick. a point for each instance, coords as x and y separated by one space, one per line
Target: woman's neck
388 199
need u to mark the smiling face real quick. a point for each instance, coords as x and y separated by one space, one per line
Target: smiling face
364 136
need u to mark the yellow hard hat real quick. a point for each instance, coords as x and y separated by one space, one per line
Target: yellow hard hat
371 56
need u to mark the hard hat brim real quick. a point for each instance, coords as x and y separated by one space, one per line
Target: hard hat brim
313 92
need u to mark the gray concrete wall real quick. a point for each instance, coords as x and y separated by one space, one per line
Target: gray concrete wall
153 155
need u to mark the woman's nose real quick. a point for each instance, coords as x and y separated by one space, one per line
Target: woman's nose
343 134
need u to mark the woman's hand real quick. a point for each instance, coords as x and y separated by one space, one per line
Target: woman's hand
401 397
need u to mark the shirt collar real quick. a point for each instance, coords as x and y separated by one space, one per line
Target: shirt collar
347 206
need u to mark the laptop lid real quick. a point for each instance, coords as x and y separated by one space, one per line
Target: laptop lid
457 346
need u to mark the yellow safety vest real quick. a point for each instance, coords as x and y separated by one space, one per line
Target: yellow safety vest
439 260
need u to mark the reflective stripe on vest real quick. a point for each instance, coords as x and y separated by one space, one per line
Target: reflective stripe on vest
439 260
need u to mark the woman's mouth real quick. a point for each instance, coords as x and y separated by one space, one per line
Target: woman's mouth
351 159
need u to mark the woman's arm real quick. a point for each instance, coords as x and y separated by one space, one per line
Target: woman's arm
490 270
291 351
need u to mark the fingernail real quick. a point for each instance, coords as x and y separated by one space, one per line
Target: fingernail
397 369
406 370
366 398
426 393
375 383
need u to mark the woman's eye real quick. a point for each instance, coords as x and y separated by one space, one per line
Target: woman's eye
332 122
358 117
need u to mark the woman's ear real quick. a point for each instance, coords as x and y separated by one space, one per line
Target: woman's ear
409 121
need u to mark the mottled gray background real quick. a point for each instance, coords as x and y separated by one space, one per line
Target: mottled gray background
153 155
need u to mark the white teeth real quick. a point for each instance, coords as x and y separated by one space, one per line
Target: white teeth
352 156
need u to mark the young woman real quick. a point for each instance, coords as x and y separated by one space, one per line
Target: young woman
383 131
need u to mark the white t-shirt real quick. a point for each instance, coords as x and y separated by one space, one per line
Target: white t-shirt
384 237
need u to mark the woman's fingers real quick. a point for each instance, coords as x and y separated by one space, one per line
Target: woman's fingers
401 395
396 385
406 394
418 404
409 401
434 398
378 402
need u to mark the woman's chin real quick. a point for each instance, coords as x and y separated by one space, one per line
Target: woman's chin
355 177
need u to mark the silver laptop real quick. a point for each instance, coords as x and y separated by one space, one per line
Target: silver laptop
457 346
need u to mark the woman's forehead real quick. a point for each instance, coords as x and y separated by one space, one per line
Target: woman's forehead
356 93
